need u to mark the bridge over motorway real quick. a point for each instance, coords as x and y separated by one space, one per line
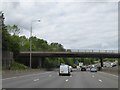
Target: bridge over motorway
73 54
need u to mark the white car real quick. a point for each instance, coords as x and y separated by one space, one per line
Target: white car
64 70
93 69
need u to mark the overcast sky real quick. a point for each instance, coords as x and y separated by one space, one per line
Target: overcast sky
75 25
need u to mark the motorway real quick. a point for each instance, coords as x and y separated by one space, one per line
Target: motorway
51 79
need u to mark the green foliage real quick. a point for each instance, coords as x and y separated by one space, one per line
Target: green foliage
14 30
18 66
56 47
10 42
39 44
119 62
24 43
14 44
70 61
5 39
50 63
60 60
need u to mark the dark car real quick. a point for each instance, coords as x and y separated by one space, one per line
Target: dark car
83 68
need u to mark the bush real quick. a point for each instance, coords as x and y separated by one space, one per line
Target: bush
18 66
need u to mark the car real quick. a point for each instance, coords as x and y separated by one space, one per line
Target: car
64 70
88 69
93 69
113 64
83 68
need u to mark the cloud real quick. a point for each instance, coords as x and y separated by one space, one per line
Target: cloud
75 25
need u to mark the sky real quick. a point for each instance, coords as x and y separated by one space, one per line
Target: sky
74 24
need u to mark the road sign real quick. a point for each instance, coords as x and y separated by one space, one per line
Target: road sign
76 62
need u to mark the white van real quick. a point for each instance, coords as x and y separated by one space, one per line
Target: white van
70 68
64 70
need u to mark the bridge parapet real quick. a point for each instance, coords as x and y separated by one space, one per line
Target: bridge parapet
94 51
84 54
77 51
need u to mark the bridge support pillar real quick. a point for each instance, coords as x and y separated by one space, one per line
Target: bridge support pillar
42 62
39 63
101 62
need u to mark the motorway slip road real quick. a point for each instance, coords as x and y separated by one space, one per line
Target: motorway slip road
51 79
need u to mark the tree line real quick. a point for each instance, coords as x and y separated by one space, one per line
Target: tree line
11 41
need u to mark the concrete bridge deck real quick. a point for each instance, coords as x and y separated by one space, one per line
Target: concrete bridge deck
72 54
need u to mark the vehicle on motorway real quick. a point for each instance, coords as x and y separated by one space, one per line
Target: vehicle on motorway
88 69
70 68
83 68
93 69
64 70
113 64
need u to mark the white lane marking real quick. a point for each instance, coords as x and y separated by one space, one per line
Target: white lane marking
100 80
35 79
9 78
71 76
50 75
93 76
109 74
26 75
66 80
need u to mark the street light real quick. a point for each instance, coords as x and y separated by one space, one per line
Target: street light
31 41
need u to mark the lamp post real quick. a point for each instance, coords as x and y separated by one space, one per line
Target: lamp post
31 42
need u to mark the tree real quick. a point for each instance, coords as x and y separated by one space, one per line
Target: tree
70 61
56 47
24 44
14 30
5 39
15 44
10 42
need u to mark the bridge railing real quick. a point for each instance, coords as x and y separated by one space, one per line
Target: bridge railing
89 50
80 50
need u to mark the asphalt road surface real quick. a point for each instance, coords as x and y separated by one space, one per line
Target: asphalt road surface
53 80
